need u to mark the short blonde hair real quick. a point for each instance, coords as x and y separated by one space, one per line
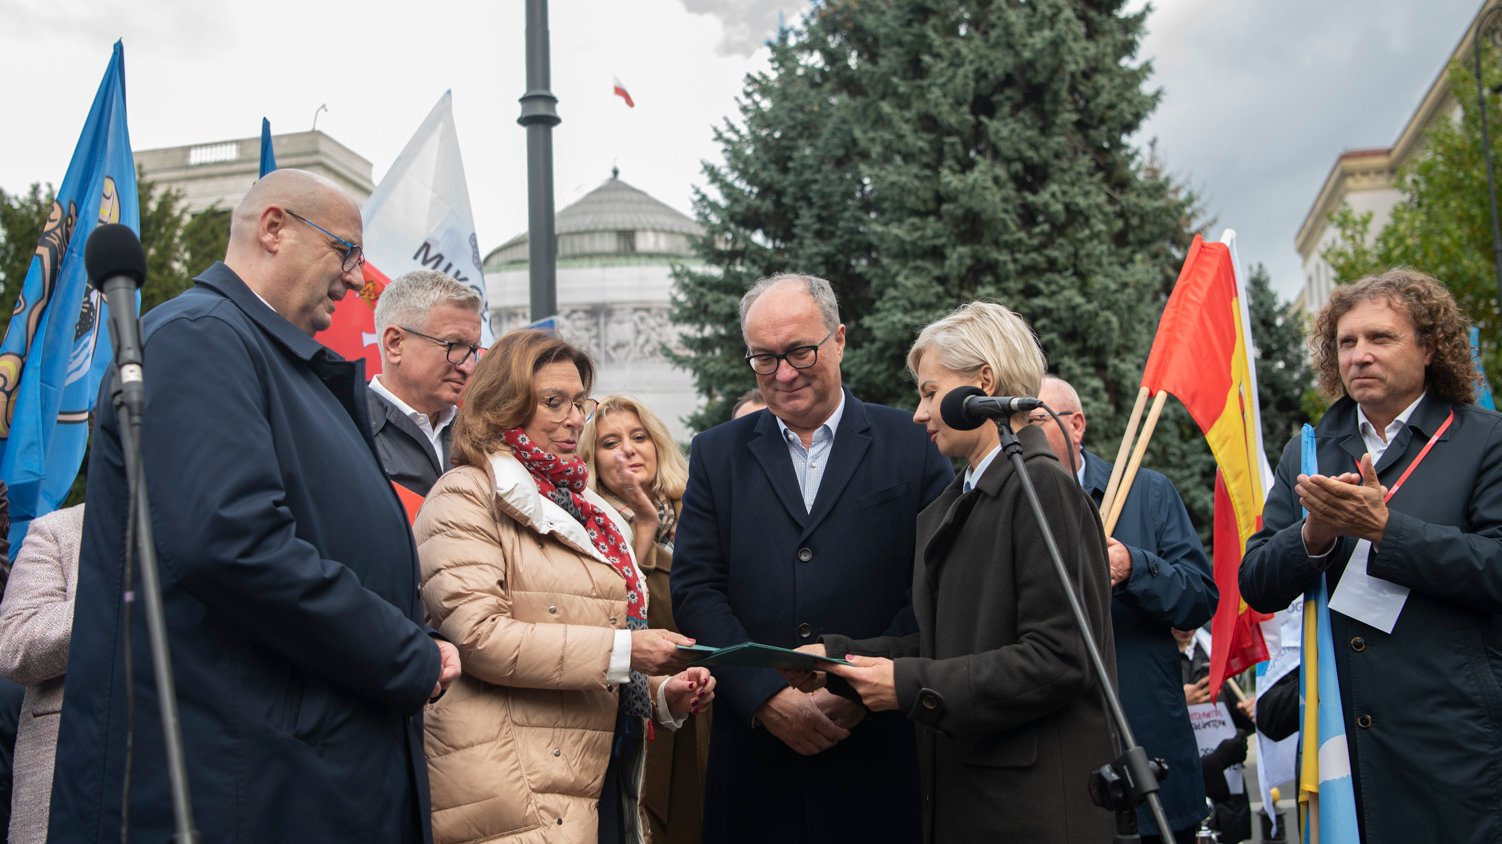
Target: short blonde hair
980 334
672 466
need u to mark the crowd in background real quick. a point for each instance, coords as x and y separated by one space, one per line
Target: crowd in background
518 663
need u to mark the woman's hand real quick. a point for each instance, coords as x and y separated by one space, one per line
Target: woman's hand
873 679
690 691
806 681
634 494
655 651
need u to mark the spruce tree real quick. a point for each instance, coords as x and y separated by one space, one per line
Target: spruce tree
924 153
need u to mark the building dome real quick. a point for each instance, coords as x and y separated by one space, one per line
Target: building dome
612 223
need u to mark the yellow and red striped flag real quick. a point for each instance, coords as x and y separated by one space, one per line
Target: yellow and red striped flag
1203 355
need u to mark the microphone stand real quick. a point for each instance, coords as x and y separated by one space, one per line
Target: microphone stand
1131 777
129 398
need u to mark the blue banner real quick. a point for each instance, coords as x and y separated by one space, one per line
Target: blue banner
57 347
1484 394
268 155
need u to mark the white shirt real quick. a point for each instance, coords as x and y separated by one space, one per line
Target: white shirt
1378 445
420 419
809 463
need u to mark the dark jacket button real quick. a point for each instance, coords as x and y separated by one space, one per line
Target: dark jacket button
1358 644
805 554
804 631
1364 721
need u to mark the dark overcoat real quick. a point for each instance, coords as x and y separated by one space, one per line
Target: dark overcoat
1010 716
1170 586
289 581
753 564
1423 705
405 451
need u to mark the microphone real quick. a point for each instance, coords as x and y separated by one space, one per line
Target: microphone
116 265
968 408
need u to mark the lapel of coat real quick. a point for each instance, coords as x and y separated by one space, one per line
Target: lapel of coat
947 515
851 442
383 412
1407 443
771 451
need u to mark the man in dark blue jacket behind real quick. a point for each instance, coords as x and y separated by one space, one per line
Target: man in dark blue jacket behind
800 520
1160 580
289 577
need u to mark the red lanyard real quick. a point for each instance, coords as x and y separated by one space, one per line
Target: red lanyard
1393 490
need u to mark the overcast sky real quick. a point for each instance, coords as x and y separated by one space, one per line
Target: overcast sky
1259 96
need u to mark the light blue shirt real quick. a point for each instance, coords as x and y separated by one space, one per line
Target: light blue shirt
973 473
809 463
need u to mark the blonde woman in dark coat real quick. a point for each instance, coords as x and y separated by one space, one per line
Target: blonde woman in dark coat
636 467
1009 715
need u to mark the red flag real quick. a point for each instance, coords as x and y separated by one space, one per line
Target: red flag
411 501
352 333
620 91
1202 355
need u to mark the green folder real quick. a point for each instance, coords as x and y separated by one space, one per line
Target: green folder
755 655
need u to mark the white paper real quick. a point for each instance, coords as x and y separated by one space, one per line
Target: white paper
1212 725
1365 598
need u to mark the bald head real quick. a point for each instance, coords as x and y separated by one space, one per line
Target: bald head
1061 397
288 239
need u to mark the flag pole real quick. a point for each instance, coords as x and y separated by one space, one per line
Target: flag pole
1119 466
1119 502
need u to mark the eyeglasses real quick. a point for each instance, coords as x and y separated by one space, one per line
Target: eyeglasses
798 357
1044 419
457 353
560 408
351 254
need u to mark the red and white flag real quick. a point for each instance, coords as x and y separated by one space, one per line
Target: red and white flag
418 218
620 91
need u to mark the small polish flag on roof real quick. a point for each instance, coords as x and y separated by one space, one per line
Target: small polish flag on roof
620 91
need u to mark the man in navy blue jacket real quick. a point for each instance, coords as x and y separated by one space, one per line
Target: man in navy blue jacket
797 521
1160 580
289 577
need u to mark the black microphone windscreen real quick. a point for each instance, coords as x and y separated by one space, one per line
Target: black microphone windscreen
114 250
952 409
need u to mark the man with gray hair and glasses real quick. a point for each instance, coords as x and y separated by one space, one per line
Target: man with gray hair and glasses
797 522
429 330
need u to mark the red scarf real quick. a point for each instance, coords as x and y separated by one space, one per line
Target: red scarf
561 480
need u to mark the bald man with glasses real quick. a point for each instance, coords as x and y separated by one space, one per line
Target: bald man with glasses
1160 580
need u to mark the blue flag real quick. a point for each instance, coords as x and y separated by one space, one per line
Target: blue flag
268 155
1484 395
57 348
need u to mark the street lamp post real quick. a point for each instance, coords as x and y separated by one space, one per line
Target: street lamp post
1486 146
539 115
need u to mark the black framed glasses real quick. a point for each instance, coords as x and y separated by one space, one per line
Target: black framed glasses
457 353
559 408
798 357
351 254
1041 419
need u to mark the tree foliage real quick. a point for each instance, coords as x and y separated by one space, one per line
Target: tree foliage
178 245
1442 224
1285 380
924 153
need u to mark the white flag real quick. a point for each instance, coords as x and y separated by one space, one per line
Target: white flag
419 216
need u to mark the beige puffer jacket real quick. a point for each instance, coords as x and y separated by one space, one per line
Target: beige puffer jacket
517 749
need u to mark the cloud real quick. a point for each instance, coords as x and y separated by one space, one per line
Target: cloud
748 24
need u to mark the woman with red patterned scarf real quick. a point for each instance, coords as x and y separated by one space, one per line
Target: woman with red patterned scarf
530 574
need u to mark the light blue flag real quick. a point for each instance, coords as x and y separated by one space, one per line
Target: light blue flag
1484 397
57 347
268 155
1331 818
